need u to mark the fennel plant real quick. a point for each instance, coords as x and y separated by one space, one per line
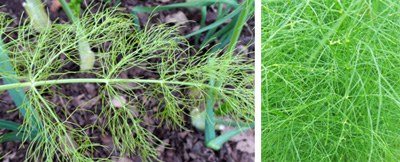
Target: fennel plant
36 56
227 36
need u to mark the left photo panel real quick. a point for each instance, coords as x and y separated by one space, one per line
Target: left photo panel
127 80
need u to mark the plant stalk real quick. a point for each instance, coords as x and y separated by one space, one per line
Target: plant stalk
93 80
210 121
247 9
217 143
86 55
36 12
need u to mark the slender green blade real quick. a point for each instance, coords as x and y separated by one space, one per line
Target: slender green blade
233 123
199 3
216 143
68 11
212 31
15 136
18 95
203 21
215 24
10 125
209 131
248 9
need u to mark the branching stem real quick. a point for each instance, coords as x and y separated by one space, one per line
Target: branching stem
94 80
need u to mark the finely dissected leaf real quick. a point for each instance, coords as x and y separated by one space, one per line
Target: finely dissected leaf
123 48
210 121
330 89
223 109
18 95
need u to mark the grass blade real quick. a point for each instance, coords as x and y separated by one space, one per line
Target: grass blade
15 136
234 124
186 4
203 21
212 31
215 24
5 124
248 9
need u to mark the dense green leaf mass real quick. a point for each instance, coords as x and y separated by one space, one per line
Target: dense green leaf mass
330 80
36 56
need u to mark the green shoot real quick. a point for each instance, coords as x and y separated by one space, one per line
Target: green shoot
229 35
196 3
16 136
10 125
247 10
203 21
215 24
211 97
86 55
217 143
75 6
36 12
185 4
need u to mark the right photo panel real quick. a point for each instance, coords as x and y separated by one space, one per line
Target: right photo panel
330 80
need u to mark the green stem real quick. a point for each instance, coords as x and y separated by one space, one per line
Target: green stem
36 12
68 11
94 80
86 55
249 4
210 121
203 21
216 23
216 143
212 31
233 124
210 137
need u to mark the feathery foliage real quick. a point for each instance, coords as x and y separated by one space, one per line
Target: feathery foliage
330 80
36 58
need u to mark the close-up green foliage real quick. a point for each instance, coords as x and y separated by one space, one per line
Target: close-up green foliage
32 61
330 75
